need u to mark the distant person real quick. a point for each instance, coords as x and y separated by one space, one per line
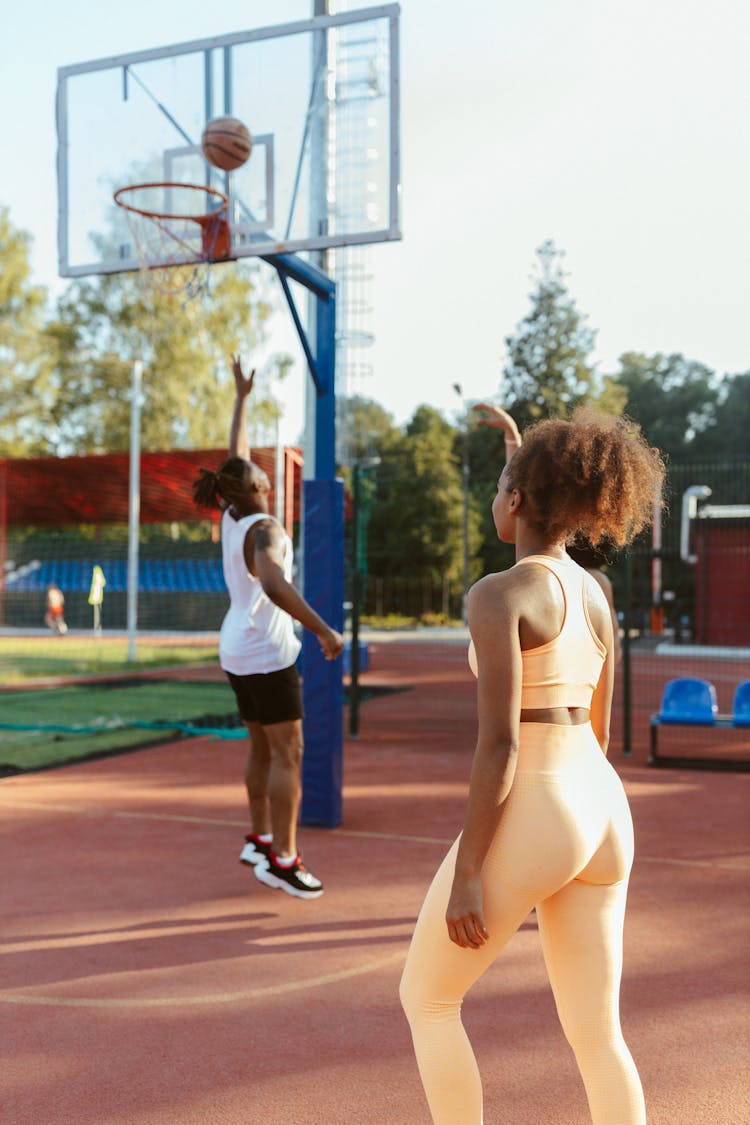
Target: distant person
54 617
258 650
547 822
581 552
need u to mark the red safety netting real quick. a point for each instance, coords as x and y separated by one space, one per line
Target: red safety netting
93 489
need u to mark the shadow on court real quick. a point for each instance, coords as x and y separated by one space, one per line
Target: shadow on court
147 977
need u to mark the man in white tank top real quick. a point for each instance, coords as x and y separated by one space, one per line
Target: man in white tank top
258 650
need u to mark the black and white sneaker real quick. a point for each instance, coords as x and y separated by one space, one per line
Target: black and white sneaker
295 880
254 850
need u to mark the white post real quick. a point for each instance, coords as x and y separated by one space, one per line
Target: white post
320 169
134 504
690 498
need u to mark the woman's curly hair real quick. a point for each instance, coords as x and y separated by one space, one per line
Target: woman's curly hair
593 476
224 487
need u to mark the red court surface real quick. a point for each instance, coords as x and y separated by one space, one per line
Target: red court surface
148 978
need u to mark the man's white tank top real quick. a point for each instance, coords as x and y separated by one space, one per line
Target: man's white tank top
256 636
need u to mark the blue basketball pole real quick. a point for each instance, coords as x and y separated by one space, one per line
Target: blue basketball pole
323 517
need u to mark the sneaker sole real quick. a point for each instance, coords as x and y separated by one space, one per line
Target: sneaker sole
257 858
263 875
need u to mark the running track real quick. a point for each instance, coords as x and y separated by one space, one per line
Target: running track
147 978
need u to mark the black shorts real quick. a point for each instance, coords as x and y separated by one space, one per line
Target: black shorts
268 697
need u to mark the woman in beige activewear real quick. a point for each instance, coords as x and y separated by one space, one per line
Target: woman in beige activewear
547 823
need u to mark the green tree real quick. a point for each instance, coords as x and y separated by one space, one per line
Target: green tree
365 429
25 350
104 324
365 435
416 529
673 399
728 436
549 369
486 462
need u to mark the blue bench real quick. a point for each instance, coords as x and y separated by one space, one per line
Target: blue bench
691 702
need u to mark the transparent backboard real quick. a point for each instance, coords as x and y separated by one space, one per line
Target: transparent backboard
320 98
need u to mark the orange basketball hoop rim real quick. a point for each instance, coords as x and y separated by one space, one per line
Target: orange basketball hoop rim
215 242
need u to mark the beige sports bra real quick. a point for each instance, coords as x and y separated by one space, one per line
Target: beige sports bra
564 671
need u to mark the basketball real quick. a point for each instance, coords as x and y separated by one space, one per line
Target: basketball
226 143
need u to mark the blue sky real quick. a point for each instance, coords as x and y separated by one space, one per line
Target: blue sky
619 130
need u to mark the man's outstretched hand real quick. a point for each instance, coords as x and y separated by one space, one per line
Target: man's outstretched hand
243 383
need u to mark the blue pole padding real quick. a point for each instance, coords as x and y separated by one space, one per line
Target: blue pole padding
322 687
325 411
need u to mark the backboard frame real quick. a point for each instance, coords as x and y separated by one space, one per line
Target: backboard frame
247 234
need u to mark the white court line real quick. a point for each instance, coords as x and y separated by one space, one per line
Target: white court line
394 837
127 814
213 998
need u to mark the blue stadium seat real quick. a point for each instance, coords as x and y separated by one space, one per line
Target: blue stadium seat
741 707
154 576
689 700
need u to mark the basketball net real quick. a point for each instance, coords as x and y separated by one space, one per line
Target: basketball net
178 231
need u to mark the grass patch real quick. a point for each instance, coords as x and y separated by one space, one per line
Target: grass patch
101 718
28 658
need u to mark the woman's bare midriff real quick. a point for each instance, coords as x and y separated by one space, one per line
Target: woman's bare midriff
556 716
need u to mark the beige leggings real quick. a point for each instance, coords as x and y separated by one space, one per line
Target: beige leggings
565 846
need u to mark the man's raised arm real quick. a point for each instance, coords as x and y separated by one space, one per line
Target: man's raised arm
238 443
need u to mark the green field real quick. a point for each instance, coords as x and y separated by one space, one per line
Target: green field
50 726
66 699
25 658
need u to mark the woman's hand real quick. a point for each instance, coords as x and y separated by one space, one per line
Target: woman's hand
244 384
464 914
498 419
